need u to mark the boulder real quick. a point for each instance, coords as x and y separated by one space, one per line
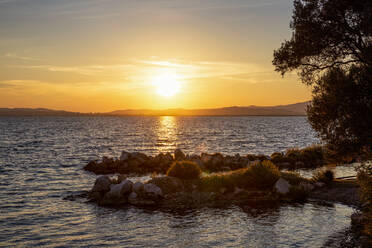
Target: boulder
205 158
282 186
217 159
118 193
122 189
134 199
102 184
152 189
124 156
179 155
121 178
168 185
138 188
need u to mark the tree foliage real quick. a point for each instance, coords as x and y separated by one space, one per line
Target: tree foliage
326 34
341 109
331 48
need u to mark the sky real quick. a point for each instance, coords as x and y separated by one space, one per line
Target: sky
104 55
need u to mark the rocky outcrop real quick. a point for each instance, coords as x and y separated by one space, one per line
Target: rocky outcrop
140 163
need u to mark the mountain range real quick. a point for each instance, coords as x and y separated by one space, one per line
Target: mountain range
296 109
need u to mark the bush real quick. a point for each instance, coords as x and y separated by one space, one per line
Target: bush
277 157
293 155
313 155
217 181
261 175
184 170
293 178
324 176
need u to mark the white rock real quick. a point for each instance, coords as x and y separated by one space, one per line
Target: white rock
282 186
102 184
151 188
121 190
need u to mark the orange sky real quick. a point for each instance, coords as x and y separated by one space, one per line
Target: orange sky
103 55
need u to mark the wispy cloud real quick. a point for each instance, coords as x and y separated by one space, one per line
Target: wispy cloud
16 56
139 70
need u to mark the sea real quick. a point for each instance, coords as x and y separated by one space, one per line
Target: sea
41 161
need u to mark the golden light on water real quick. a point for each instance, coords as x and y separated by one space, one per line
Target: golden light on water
166 133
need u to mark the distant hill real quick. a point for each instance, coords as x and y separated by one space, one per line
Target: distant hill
280 110
37 112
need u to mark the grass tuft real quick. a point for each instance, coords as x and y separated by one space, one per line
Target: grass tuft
184 170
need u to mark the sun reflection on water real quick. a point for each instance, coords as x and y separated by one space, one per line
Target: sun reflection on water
166 132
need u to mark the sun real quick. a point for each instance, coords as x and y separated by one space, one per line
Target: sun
167 84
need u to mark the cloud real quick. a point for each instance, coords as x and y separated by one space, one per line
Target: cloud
15 56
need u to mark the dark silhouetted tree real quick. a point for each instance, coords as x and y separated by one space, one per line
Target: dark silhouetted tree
331 48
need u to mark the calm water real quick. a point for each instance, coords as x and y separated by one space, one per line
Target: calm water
41 161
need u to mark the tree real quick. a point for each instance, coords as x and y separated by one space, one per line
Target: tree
326 34
331 48
341 110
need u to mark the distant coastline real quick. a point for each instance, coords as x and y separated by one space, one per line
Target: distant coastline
297 109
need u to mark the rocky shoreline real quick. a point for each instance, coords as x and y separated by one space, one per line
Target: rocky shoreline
114 189
142 164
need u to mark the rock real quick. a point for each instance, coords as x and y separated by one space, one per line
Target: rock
217 159
306 186
134 199
124 188
205 158
282 186
121 178
140 157
102 184
168 185
179 155
138 188
124 156
152 189
117 194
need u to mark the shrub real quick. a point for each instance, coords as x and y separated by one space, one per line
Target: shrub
293 155
293 178
324 176
262 175
312 156
215 182
184 170
277 157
